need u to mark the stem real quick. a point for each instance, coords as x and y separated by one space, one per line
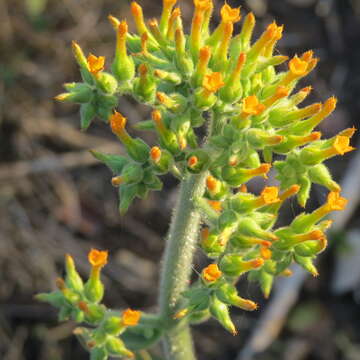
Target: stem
177 266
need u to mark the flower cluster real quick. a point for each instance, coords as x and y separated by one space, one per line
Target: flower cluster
228 85
80 302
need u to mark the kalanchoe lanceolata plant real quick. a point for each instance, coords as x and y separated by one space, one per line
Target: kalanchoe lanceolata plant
228 85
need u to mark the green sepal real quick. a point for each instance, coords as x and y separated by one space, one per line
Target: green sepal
87 114
64 313
98 353
127 193
87 76
54 298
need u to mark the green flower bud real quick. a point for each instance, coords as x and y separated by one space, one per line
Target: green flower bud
144 85
161 160
220 312
175 103
240 241
238 176
266 283
136 148
94 288
311 248
115 347
235 265
93 313
132 174
77 315
227 220
319 174
227 294
72 279
81 93
107 83
249 227
113 325
197 161
259 138
307 263
212 243
246 203
123 66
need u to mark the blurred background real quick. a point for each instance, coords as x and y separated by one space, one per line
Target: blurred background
56 199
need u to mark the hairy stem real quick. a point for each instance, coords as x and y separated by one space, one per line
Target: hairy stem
177 266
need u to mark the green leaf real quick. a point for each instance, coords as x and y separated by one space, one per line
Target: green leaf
115 163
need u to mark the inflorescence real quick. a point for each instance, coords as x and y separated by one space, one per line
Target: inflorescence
227 84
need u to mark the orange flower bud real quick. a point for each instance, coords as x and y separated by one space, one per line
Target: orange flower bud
117 180
192 161
292 190
298 67
83 306
137 13
155 154
117 123
335 201
252 106
202 5
280 93
180 314
98 258
114 21
216 205
212 184
211 273
96 64
60 283
229 14
341 145
269 195
213 82
265 252
130 317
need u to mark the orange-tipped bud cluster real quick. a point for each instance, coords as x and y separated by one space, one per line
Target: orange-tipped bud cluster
228 84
